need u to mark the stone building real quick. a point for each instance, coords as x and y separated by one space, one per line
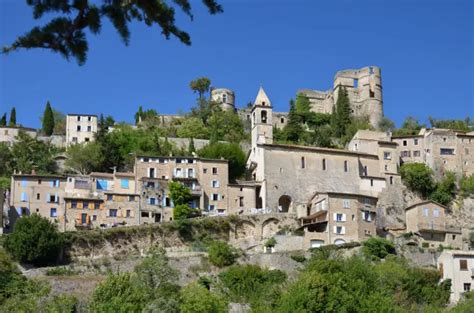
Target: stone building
440 149
364 88
428 219
337 218
41 194
80 128
457 266
8 134
225 97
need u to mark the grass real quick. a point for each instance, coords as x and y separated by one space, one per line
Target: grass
60 271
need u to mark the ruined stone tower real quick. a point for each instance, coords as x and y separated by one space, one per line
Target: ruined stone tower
364 88
225 97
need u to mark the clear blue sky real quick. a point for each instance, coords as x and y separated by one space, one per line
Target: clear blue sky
424 47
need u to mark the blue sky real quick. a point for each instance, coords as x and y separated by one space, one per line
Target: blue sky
424 47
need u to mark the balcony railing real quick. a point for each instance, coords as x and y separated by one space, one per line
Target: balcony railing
316 218
432 227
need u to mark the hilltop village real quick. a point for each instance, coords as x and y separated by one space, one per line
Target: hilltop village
343 192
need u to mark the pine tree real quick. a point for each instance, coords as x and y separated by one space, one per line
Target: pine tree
138 115
191 148
3 120
12 117
341 113
48 120
293 129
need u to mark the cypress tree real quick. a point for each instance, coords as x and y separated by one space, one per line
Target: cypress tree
293 129
48 120
3 120
12 117
342 113
191 148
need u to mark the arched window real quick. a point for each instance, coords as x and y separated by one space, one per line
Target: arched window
263 116
224 98
346 166
324 164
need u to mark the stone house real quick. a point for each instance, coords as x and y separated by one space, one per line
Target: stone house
80 128
86 212
241 197
41 194
428 219
457 266
8 134
337 218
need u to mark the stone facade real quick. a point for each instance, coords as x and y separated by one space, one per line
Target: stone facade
428 219
225 97
364 88
8 134
441 149
80 128
337 218
458 266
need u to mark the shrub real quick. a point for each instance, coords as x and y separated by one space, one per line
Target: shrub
34 240
60 271
418 177
270 243
197 299
467 185
221 254
425 244
377 248
298 258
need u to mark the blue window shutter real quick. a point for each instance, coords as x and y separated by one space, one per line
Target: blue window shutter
18 211
56 198
124 183
48 197
51 183
23 196
23 183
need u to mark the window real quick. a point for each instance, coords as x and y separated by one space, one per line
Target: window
339 217
387 155
365 170
96 205
391 180
386 167
204 170
177 172
463 265
78 128
39 181
37 196
324 164
23 197
241 201
282 120
215 184
356 83
415 142
371 183
145 214
339 230
152 201
446 151
94 217
78 118
89 118
214 170
366 216
113 212
85 204
416 153
215 197
151 173
346 203
263 116
436 212
86 139
128 213
426 212
224 98
346 166
404 143
131 198
89 128
406 153
371 93
53 212
74 139
466 151
124 183
110 197
303 162
190 172
212 207
467 287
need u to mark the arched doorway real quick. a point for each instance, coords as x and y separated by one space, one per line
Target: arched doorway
284 204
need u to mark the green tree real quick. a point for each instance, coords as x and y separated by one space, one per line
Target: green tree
445 190
197 299
228 151
293 129
66 32
103 126
48 120
34 240
12 117
466 185
377 248
84 158
386 124
221 254
200 86
342 113
191 147
418 177
179 193
29 153
6 161
193 127
3 120
462 125
410 126
225 125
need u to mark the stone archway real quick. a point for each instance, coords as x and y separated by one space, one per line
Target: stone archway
245 229
284 204
270 227
339 241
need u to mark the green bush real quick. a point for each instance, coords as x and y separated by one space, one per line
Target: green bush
271 242
221 254
197 299
418 177
60 271
298 258
377 248
425 245
467 185
230 152
34 240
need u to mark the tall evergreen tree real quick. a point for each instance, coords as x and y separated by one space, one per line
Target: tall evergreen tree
138 115
342 113
293 129
191 147
48 120
3 120
12 117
